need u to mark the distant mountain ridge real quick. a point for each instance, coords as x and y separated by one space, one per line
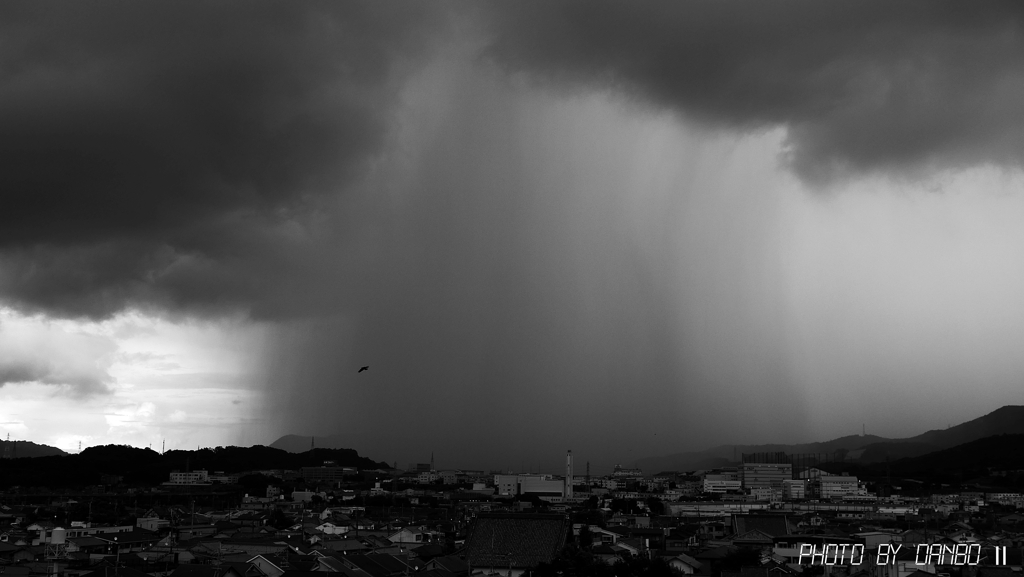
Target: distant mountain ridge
301 444
94 465
1007 420
19 449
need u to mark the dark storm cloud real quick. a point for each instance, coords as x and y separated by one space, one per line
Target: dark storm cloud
861 86
149 148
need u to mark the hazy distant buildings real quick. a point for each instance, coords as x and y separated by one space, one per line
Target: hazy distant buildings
326 474
625 472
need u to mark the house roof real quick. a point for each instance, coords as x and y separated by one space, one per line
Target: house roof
87 541
344 545
516 540
773 525
342 571
767 571
682 557
717 552
450 563
196 570
130 537
119 571
753 536
428 551
377 565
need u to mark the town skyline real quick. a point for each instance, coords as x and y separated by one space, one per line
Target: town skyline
860 448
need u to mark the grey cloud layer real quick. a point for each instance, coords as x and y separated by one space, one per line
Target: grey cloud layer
175 155
861 86
148 148
203 157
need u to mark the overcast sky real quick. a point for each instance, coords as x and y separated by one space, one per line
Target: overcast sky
629 229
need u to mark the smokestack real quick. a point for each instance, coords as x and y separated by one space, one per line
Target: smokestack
568 475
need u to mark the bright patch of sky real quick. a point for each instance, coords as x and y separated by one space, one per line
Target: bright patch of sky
149 380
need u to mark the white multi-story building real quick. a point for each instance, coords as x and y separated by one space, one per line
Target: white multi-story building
794 489
428 477
838 486
200 477
765 474
722 482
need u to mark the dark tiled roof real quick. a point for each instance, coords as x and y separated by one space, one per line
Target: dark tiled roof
118 571
196 570
132 537
241 568
716 553
428 551
773 525
296 573
390 563
342 545
450 563
504 539
368 565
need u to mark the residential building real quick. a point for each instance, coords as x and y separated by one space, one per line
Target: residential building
514 544
765 474
200 477
837 486
722 481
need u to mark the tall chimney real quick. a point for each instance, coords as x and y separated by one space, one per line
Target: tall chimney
568 475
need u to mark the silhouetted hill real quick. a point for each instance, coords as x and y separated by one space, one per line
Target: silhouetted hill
881 452
993 461
301 444
724 454
21 449
1008 420
975 457
147 467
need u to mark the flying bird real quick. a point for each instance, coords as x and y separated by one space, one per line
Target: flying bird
361 369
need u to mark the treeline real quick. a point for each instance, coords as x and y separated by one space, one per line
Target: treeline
103 465
996 461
